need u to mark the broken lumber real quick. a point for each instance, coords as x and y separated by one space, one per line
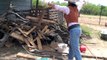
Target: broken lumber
39 43
26 33
28 56
44 28
35 19
32 42
17 36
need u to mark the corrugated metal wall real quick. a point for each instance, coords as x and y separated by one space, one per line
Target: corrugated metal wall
4 4
22 4
18 5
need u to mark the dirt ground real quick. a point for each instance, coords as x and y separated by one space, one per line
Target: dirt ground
95 46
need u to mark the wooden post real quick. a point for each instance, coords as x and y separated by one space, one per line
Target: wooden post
102 7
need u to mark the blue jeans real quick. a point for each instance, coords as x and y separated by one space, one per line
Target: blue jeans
74 50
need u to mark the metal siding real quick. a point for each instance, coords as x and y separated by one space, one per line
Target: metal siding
22 4
4 4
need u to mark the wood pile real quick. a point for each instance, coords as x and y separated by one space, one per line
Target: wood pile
40 31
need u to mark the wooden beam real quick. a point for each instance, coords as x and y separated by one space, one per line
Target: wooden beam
22 38
39 35
28 56
35 19
44 29
17 36
39 43
42 34
30 39
47 31
27 42
26 33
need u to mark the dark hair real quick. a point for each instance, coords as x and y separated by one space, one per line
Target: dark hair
72 4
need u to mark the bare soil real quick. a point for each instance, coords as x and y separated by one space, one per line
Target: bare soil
95 46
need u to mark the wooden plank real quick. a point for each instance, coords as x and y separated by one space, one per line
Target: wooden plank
42 34
21 31
43 30
21 38
27 42
34 19
51 31
28 56
46 31
39 35
32 42
31 57
17 36
26 33
39 43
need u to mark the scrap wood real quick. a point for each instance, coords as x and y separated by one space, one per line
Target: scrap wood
44 29
26 33
30 39
39 35
17 36
35 19
49 32
39 43
42 34
28 56
27 42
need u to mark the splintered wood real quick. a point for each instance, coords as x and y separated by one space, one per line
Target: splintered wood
27 36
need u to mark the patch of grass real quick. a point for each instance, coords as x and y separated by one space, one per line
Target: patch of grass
86 30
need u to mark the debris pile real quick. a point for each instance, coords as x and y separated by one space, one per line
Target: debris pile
35 32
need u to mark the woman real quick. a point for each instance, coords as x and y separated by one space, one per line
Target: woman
71 14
